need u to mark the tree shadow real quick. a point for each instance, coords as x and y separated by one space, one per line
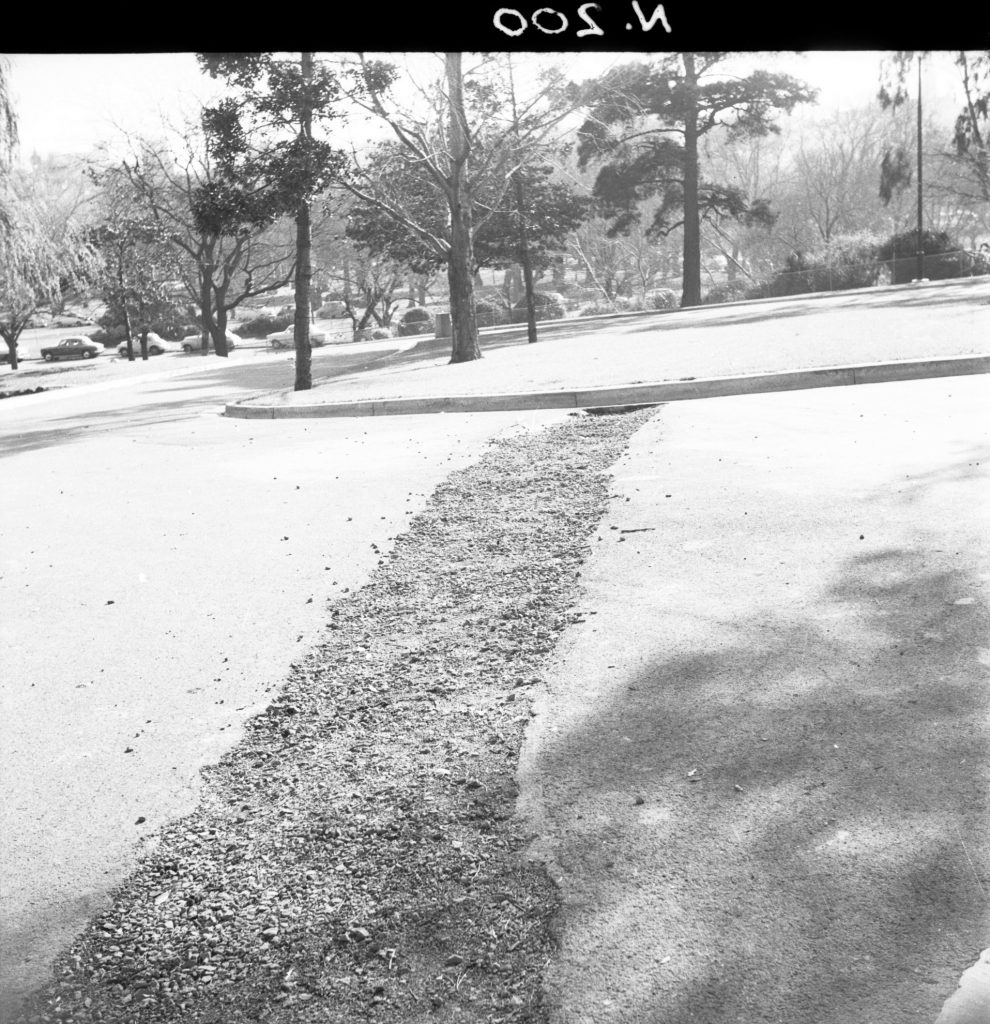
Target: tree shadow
969 464
33 938
80 427
710 316
243 378
798 305
814 797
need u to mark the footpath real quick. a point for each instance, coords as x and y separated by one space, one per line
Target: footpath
759 773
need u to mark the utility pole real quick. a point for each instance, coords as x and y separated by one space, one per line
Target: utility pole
921 253
527 267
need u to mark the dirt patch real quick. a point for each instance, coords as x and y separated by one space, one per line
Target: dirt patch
357 856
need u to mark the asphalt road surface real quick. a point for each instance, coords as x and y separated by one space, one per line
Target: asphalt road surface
760 774
162 566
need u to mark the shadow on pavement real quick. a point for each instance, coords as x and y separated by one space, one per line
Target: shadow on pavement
971 463
183 405
37 928
816 867
67 429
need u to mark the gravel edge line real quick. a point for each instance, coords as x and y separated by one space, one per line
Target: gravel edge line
357 856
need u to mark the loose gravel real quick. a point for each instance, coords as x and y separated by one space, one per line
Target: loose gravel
356 856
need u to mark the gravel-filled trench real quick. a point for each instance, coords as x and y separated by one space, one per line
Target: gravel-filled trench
356 856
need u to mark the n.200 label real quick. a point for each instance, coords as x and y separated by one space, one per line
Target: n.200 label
552 22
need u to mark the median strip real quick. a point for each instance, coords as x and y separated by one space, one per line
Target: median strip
621 395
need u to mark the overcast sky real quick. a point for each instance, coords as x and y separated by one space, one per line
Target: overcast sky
69 103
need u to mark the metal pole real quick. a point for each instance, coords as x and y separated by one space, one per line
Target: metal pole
921 253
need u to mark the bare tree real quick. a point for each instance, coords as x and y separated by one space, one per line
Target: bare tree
222 263
466 142
835 172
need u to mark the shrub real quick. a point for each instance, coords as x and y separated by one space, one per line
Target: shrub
661 298
101 337
852 261
110 336
728 292
416 320
331 311
849 261
264 324
600 308
488 314
546 305
942 258
169 324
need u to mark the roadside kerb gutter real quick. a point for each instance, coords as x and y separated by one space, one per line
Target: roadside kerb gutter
626 394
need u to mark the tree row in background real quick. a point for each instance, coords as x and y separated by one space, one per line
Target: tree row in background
674 178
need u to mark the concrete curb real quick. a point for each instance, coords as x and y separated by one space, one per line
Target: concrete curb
627 394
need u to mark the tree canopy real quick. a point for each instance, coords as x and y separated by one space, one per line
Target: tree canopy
272 159
643 129
451 178
35 268
552 210
970 136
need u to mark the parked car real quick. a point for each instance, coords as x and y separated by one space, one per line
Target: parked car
156 345
194 342
287 338
76 347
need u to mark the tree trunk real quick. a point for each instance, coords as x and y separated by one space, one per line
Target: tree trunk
12 349
220 326
205 296
304 273
304 245
144 342
460 266
691 283
460 279
128 334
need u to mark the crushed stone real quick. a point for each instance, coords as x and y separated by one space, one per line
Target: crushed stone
356 857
